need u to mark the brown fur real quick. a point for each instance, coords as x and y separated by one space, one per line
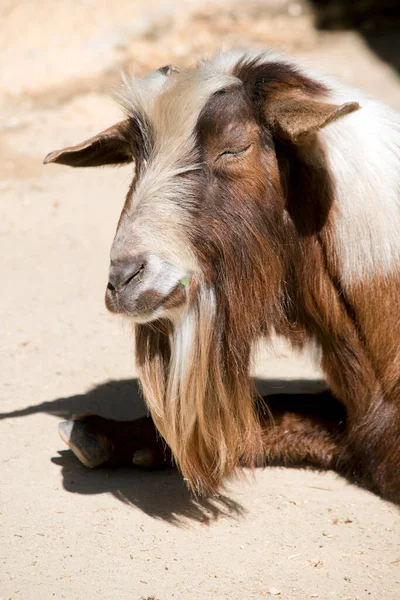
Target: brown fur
261 231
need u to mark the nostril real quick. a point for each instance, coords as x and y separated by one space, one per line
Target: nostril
122 273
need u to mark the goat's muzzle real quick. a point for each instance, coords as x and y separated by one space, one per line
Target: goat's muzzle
145 287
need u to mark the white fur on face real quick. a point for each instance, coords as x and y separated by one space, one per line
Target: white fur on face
161 277
159 214
156 220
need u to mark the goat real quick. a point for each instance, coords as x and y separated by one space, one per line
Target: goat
265 199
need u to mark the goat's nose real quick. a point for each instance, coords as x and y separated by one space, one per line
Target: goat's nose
124 271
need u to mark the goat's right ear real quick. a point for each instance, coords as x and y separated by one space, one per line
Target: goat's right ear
110 147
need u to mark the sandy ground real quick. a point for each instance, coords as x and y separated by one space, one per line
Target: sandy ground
68 532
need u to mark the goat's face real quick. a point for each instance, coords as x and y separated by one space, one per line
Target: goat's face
206 180
183 202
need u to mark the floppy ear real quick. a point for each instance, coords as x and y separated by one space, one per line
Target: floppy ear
114 146
296 117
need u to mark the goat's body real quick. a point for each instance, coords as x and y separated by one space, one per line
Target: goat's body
351 289
348 291
301 237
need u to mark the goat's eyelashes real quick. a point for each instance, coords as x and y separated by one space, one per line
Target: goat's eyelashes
233 153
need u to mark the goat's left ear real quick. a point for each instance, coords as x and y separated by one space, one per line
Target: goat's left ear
110 147
296 117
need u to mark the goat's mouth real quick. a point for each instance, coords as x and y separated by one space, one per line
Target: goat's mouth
145 305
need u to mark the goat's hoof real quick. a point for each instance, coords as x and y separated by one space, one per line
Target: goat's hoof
88 448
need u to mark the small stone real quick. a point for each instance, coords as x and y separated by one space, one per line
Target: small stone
274 591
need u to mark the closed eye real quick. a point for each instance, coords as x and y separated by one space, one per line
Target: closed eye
233 153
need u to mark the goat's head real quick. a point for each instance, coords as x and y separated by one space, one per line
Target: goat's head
198 246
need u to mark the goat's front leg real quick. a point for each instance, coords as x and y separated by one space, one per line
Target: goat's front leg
97 441
372 454
297 429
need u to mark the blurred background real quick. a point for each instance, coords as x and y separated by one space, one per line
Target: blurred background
52 51
58 52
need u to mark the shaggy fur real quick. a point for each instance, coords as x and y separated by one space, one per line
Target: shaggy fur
274 194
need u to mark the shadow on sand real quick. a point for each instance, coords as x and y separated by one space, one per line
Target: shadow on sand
160 494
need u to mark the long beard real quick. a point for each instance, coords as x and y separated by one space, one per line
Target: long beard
196 382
